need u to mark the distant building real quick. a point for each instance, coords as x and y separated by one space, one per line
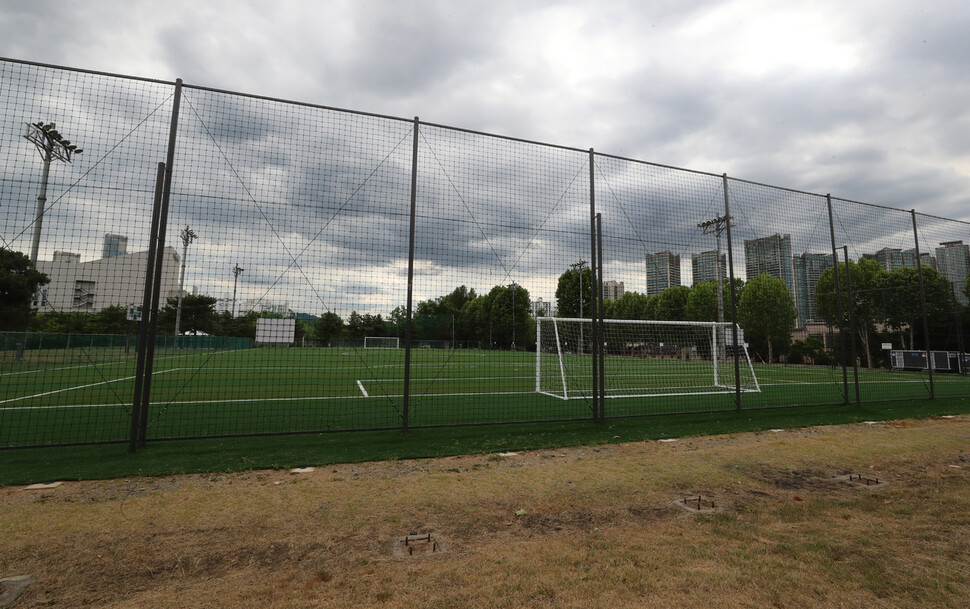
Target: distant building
771 255
890 258
67 257
808 269
92 286
540 308
612 290
663 271
114 245
925 259
704 266
953 258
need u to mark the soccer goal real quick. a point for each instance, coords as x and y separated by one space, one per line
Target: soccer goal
642 358
381 342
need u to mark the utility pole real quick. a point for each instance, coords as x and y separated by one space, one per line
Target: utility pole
188 236
235 272
51 145
716 226
579 266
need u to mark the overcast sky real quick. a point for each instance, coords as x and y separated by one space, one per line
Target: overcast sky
864 99
867 100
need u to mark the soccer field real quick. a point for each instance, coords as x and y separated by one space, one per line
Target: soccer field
272 390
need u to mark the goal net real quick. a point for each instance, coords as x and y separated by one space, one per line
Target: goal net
641 358
381 342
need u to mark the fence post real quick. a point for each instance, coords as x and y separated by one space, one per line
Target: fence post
409 324
734 296
141 348
848 288
922 306
159 260
838 302
598 333
592 268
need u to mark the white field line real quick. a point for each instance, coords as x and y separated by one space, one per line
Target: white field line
40 395
362 390
253 400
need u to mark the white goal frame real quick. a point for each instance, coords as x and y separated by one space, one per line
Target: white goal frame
382 342
721 337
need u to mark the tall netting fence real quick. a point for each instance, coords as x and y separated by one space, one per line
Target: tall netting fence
945 258
77 177
323 270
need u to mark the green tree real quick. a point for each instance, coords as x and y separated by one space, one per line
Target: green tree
19 280
109 320
672 304
766 312
329 327
503 317
702 302
567 293
900 302
198 315
866 276
632 305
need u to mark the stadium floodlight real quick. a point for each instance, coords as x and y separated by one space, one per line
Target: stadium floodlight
235 272
51 145
188 236
643 358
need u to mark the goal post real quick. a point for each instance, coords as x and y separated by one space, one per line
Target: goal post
642 358
381 342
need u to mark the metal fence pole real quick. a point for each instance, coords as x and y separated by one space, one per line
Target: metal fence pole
143 324
922 305
600 339
852 329
734 295
159 262
592 268
409 324
838 302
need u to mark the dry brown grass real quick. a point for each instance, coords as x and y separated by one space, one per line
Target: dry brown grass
598 531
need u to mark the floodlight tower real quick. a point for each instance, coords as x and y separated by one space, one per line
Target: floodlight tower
188 236
579 266
235 273
51 145
716 226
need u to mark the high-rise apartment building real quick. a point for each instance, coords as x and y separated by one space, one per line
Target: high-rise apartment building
114 245
889 258
612 290
953 260
925 259
771 255
808 268
663 271
704 266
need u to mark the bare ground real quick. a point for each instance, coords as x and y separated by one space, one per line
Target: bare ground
577 527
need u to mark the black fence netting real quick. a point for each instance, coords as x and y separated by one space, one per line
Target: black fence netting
182 262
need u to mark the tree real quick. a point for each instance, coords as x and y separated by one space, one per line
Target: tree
766 312
672 304
503 317
900 301
198 315
19 281
329 327
632 305
865 278
109 320
567 293
702 302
